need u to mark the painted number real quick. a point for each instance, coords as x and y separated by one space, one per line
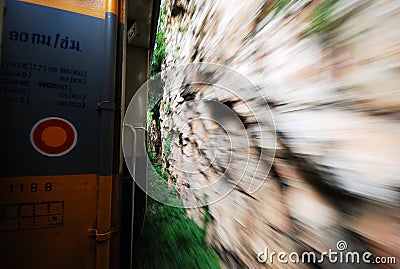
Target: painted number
48 186
33 187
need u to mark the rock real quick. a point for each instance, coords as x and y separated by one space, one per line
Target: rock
309 154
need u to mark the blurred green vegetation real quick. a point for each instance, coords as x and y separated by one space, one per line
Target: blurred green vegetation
322 21
170 239
160 46
279 5
167 147
321 16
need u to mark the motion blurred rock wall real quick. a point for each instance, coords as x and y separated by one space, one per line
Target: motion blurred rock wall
330 72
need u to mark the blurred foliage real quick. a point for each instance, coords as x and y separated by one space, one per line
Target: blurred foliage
268 7
167 147
207 215
149 117
153 113
159 184
280 5
321 21
157 166
160 46
170 239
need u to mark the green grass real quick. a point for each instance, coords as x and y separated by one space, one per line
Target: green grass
172 240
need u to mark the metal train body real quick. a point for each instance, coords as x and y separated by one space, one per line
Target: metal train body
65 201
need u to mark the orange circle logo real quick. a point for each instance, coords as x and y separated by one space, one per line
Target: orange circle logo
53 136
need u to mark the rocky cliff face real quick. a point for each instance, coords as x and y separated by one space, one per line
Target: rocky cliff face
322 147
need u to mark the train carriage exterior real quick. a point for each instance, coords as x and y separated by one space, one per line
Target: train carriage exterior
64 199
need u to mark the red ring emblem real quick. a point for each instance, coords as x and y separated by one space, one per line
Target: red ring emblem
53 136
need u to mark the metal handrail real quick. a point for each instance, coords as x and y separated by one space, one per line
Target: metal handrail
134 129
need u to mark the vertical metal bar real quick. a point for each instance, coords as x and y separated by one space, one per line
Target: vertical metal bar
123 75
134 129
1 22
107 94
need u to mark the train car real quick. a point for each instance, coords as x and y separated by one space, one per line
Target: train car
68 67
